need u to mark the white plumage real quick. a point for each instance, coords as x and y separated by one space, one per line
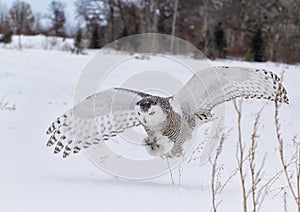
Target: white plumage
110 112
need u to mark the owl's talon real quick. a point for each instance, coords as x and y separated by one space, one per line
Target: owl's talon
158 146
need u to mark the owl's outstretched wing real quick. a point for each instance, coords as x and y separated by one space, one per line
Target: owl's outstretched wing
213 86
94 120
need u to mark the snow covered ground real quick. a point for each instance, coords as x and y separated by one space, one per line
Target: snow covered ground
41 84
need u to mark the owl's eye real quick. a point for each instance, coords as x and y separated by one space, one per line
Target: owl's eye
152 113
139 113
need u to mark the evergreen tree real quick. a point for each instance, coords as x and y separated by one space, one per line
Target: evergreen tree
6 38
124 33
257 46
95 39
220 40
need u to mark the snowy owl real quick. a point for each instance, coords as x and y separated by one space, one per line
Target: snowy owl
109 113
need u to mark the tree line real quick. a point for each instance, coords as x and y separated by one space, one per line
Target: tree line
256 30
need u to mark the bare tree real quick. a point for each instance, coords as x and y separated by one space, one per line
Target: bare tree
112 5
92 12
37 27
130 17
4 21
42 24
174 23
194 21
148 12
95 15
22 18
122 17
116 19
57 16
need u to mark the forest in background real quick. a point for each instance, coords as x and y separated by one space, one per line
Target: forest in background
257 30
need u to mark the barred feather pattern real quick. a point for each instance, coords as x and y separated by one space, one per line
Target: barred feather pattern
213 86
93 121
70 134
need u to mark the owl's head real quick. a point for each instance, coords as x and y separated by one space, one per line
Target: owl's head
152 111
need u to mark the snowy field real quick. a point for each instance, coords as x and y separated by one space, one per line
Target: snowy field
40 42
41 83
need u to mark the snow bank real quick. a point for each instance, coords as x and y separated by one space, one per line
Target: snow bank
40 42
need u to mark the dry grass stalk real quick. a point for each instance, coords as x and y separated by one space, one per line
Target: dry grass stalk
266 188
281 152
233 174
295 195
179 175
256 174
240 151
170 171
4 105
216 173
196 154
297 154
